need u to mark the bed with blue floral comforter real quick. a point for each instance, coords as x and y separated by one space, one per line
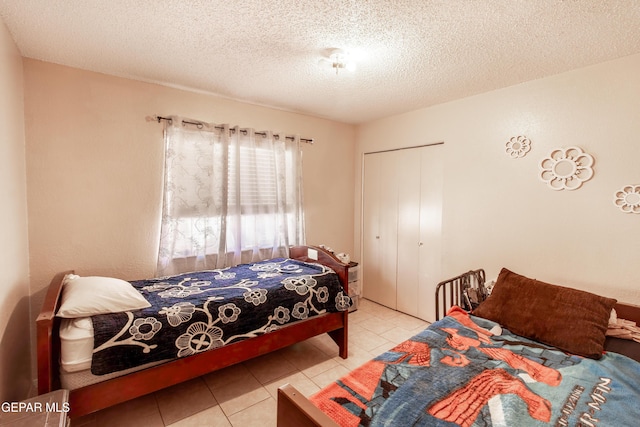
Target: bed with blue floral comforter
194 312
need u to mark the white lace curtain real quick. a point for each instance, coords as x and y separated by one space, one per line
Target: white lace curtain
231 196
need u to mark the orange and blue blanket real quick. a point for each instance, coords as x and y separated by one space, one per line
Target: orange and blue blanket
459 373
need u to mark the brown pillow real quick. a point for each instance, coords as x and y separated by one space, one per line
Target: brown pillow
571 320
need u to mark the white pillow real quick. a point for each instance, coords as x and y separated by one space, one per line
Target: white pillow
88 296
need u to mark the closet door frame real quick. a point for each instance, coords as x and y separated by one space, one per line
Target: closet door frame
427 242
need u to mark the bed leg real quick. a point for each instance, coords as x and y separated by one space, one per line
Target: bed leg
340 337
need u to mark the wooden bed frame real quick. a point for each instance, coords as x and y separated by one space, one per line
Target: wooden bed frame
295 410
101 395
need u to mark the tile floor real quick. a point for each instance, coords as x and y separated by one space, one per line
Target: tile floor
244 395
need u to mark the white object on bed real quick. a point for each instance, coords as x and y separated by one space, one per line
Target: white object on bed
76 351
88 296
76 344
496 330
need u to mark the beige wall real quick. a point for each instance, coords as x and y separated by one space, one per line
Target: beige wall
94 169
498 213
15 374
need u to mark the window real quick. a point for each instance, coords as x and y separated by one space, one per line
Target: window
230 196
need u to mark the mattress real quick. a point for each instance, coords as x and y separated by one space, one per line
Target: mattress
78 379
76 350
76 344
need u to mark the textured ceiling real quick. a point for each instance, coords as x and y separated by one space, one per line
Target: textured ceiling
410 53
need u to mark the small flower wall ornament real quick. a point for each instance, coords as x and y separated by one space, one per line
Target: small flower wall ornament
628 199
518 146
566 168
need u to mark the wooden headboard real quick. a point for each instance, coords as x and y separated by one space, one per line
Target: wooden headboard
48 346
451 292
322 256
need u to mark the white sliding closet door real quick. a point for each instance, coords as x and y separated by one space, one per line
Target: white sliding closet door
402 222
431 195
380 230
408 175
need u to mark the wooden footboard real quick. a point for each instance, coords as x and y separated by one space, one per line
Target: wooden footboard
295 410
98 396
318 255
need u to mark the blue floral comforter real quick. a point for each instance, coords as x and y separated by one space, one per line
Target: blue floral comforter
199 311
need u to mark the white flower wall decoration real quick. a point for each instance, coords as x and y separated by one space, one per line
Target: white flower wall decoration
566 168
518 146
628 199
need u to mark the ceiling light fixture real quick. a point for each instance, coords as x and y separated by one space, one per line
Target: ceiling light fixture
340 59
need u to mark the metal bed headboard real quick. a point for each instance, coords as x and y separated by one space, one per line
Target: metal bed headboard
461 290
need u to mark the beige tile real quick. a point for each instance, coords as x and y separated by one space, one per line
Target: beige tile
262 414
357 356
386 313
359 316
224 376
299 380
409 323
300 348
184 399
141 411
377 325
355 330
238 395
308 359
396 335
367 305
367 340
373 307
211 417
379 310
324 379
270 366
325 344
382 348
319 365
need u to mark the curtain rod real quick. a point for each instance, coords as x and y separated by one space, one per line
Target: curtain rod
201 124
